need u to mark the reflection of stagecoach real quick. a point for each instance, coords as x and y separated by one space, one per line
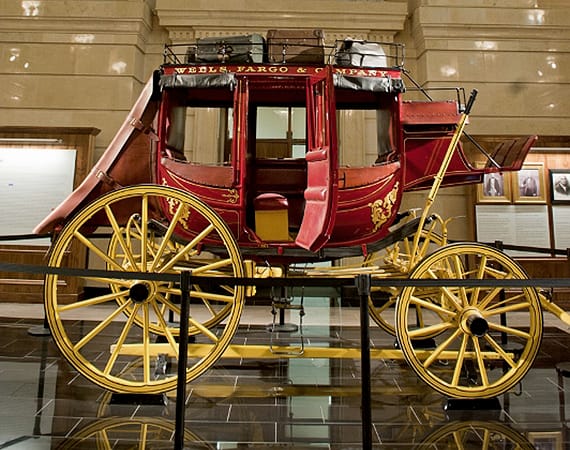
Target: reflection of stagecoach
241 203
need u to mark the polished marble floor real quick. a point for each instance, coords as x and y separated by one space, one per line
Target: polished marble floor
283 403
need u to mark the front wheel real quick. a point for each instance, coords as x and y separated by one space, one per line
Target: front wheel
487 337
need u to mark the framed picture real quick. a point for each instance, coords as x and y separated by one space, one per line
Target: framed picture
496 188
560 186
529 185
548 440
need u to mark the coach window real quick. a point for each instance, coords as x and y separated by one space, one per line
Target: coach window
280 132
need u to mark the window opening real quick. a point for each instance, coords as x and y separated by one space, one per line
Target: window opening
280 132
365 136
198 131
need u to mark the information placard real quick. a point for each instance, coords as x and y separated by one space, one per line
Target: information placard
525 225
561 226
33 181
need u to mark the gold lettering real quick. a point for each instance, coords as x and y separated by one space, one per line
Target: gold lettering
301 70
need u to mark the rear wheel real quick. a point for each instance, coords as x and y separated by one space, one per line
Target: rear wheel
142 311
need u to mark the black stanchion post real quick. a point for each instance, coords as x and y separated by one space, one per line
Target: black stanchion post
503 316
363 282
182 361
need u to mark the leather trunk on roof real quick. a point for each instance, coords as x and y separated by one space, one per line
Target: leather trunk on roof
248 48
296 46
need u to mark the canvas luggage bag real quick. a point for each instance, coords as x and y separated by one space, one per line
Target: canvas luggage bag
296 46
361 54
240 49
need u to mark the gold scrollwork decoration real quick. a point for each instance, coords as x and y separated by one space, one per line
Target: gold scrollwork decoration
232 196
381 210
173 206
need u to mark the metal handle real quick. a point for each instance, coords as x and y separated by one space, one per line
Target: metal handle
470 102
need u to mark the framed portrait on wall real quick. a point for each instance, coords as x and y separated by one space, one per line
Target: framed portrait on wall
529 184
496 188
560 186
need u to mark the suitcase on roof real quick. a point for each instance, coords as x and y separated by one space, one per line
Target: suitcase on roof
248 48
296 46
361 54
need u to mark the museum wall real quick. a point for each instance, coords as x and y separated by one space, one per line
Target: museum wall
82 63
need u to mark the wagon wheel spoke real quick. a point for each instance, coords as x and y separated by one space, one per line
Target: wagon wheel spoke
166 239
187 248
119 235
459 363
119 345
467 323
99 300
440 348
102 325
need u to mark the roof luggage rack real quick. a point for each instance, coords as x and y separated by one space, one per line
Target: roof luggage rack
295 47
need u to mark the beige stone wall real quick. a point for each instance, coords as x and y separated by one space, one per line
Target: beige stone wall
75 63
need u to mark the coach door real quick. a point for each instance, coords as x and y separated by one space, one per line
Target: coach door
321 194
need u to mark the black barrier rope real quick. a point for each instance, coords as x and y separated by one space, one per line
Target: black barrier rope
21 237
295 281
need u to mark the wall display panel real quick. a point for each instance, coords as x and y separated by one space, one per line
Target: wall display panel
525 225
561 226
33 181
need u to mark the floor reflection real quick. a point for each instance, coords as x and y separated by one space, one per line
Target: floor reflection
285 403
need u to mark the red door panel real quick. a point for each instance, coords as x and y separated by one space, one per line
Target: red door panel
321 194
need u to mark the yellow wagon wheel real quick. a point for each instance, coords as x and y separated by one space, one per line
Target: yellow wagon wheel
484 435
134 313
382 302
487 337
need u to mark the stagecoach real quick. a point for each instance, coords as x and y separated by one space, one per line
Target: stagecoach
190 182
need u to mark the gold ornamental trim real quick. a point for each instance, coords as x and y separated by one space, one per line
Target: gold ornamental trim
232 196
381 210
173 206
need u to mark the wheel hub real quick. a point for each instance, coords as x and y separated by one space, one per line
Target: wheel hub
472 322
141 291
